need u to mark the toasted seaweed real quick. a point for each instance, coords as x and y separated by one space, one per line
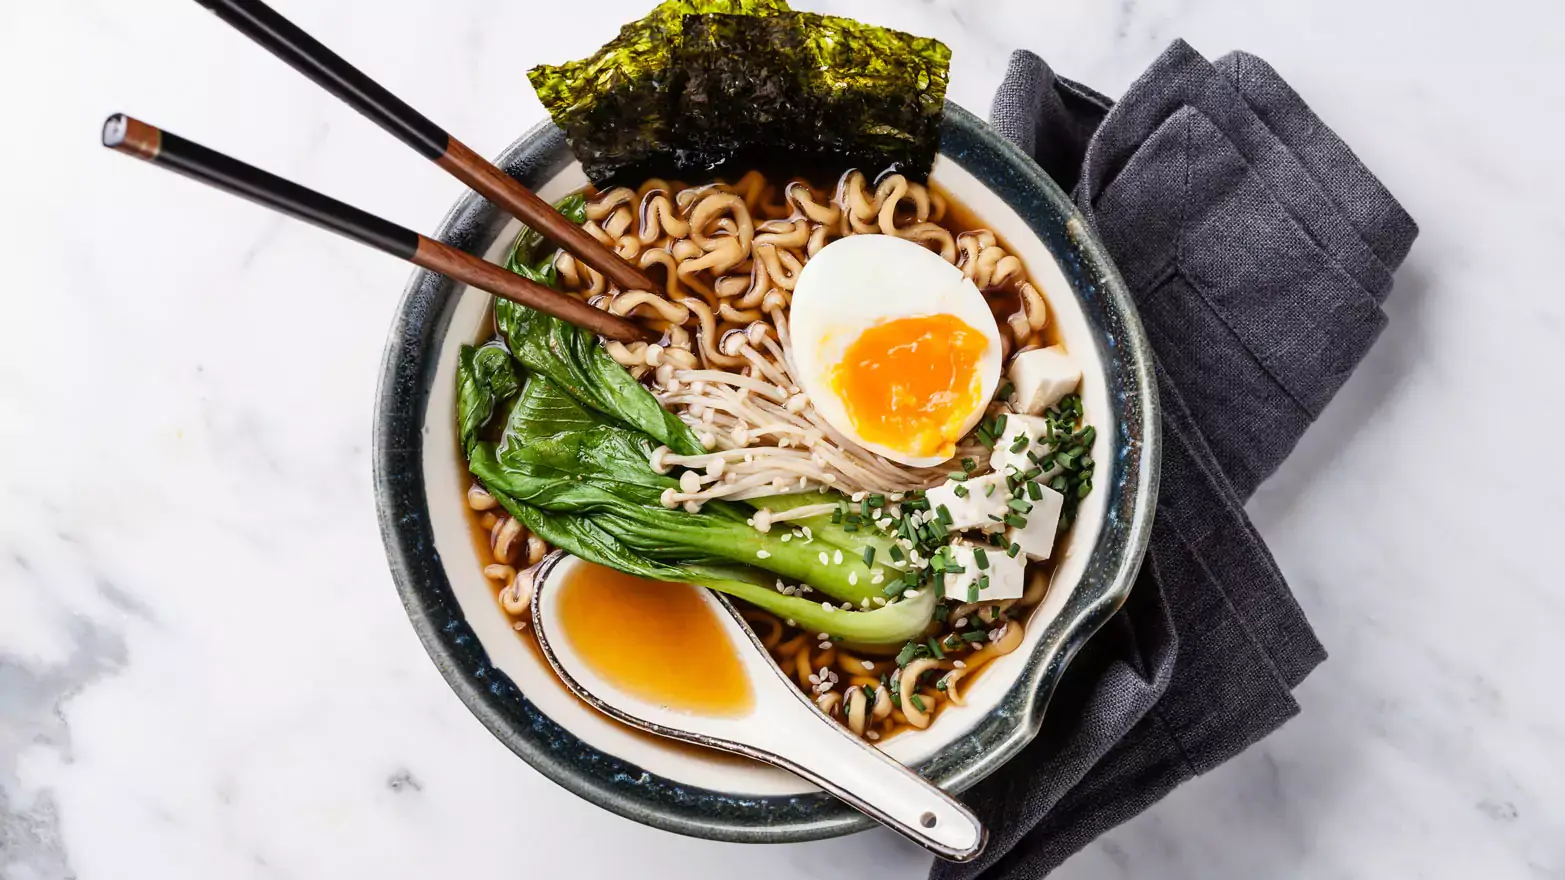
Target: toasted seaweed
616 107
698 85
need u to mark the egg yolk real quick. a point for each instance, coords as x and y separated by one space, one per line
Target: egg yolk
910 383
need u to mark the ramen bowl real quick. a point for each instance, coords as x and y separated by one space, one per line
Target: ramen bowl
498 674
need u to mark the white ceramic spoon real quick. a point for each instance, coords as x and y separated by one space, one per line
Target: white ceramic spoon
783 727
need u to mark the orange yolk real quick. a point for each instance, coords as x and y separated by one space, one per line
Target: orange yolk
909 383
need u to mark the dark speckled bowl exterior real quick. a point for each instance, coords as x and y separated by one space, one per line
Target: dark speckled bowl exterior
409 366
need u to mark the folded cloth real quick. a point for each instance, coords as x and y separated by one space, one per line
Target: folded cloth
1258 249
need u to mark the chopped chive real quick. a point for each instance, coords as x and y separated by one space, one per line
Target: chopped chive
877 500
1035 491
1059 484
1086 462
850 527
1083 489
869 556
1012 550
908 652
934 648
836 516
1088 434
996 518
968 465
943 515
974 636
942 611
916 701
1005 389
981 558
972 593
1019 505
1016 520
864 508
956 476
1019 443
988 490
959 491
896 553
954 568
894 587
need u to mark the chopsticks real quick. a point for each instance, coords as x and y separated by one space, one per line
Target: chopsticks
307 55
136 138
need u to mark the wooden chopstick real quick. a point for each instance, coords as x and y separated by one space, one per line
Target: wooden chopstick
307 55
136 138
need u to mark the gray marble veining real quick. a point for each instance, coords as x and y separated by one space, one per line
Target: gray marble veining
185 399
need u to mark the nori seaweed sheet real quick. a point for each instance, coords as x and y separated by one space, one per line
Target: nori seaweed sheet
616 107
749 82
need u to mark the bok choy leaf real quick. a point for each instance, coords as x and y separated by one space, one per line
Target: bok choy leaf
572 357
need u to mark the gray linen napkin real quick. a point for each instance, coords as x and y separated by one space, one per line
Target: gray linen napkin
1258 249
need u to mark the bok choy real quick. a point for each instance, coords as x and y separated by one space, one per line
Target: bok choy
572 463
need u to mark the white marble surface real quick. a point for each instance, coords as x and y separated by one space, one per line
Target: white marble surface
205 672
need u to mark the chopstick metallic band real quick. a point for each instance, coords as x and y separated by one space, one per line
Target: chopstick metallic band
132 136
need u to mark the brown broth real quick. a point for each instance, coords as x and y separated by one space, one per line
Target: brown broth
714 646
657 641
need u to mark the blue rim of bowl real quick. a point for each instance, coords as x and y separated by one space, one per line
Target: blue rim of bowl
407 372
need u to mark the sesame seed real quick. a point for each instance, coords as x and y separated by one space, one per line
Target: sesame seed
836 558
873 734
787 537
790 622
877 577
960 622
824 558
827 606
824 645
910 594
958 664
879 600
853 578
869 666
762 554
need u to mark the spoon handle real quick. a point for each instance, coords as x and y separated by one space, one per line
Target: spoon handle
876 784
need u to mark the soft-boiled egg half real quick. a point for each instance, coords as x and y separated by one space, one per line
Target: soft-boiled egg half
894 347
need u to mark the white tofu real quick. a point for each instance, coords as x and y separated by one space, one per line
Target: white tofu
1043 522
1000 577
1034 428
985 501
1041 377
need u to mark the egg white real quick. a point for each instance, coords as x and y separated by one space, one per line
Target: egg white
862 280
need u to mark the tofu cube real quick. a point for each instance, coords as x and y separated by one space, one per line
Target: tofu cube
1011 457
1036 538
1041 377
978 504
998 576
